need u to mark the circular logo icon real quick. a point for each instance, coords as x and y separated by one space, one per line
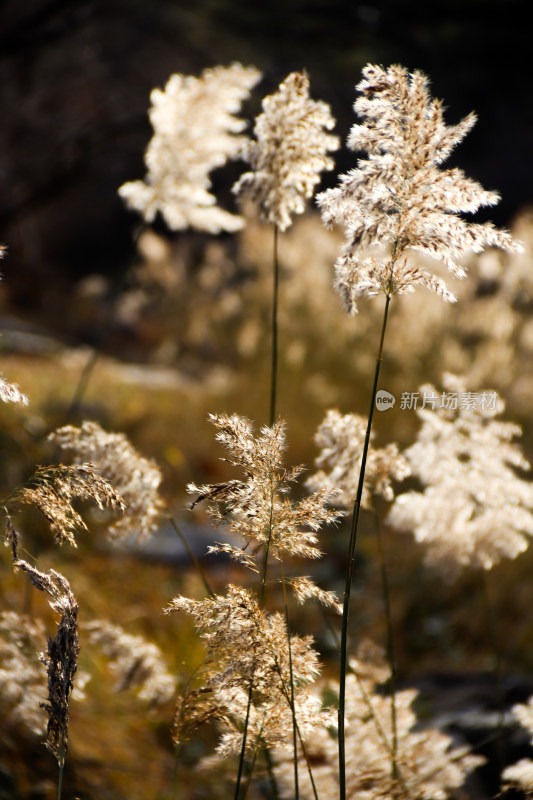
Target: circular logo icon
384 400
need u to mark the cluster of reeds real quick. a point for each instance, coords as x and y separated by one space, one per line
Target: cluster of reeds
259 683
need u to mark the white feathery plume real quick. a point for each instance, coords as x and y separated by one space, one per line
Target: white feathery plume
289 152
475 508
341 438
397 202
195 131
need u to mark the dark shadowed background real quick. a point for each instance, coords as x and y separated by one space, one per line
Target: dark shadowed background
75 78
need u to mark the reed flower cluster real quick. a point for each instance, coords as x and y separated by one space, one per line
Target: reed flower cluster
195 131
135 663
257 510
475 508
289 152
247 651
257 672
135 478
427 763
398 203
10 393
340 438
61 659
22 674
52 489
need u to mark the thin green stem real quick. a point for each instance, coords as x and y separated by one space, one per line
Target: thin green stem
350 565
270 771
85 376
272 417
390 646
175 791
60 780
291 676
285 693
261 606
249 780
242 755
274 365
368 702
287 696
271 775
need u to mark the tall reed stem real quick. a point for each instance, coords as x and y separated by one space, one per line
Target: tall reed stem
60 782
390 647
262 588
272 777
291 677
272 416
351 562
273 402
274 354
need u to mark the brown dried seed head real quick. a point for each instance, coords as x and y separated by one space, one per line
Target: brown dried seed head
52 489
61 659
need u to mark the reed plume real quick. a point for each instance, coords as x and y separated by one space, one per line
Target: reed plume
289 152
429 765
520 775
51 490
135 478
340 438
398 202
22 674
257 672
136 664
258 510
247 650
10 393
61 659
475 508
195 131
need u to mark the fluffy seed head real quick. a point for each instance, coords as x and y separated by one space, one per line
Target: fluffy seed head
475 508
520 775
61 659
340 438
289 152
428 766
135 663
397 203
257 508
135 478
195 131
10 393
52 489
22 675
247 648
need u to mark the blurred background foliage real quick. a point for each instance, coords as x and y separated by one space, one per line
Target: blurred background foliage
189 333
